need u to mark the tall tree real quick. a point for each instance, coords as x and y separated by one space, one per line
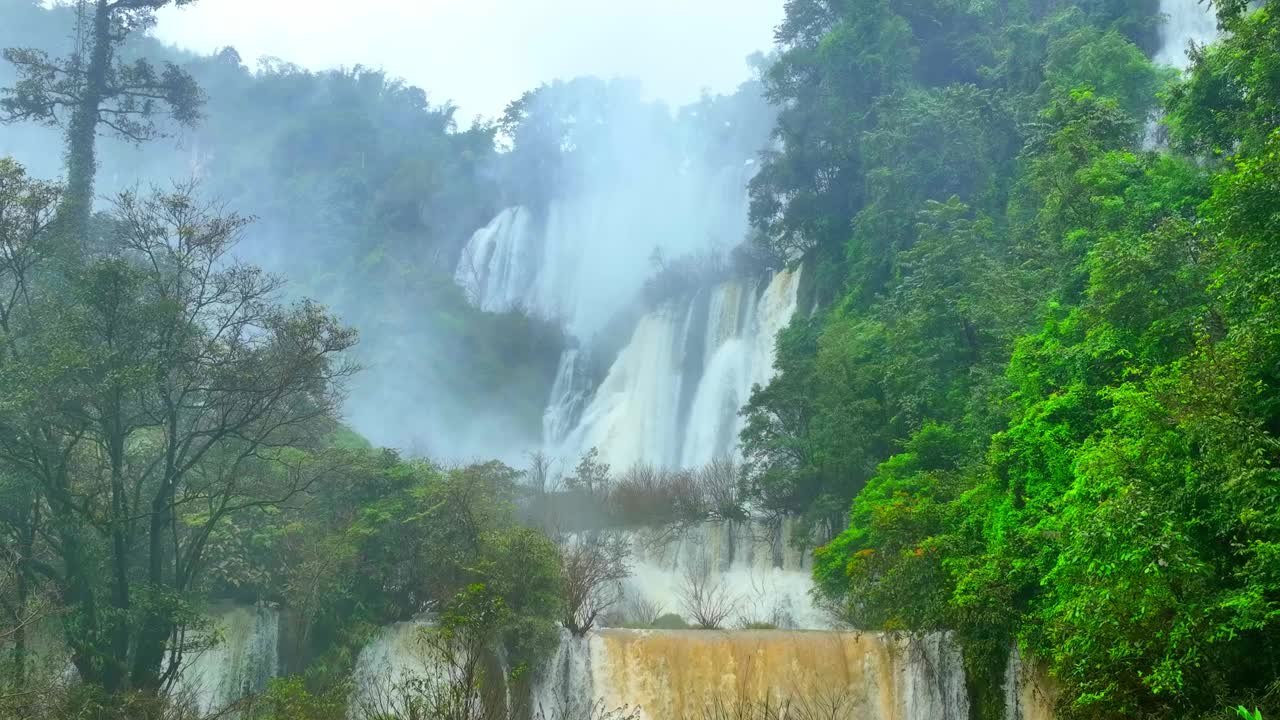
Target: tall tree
98 85
154 394
26 210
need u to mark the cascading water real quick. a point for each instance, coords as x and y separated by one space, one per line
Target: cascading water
569 395
759 574
1029 694
584 259
495 266
638 413
245 657
1186 22
397 655
691 674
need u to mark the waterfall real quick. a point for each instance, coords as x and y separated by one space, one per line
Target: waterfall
569 395
241 662
1186 21
386 668
1029 694
564 685
674 674
631 417
583 259
496 265
636 415
763 577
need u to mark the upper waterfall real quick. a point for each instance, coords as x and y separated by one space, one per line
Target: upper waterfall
672 394
582 259
1186 21
610 193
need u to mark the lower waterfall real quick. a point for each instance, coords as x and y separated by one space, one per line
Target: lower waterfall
1029 694
684 674
394 656
246 656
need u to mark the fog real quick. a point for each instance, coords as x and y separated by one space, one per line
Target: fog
375 197
483 53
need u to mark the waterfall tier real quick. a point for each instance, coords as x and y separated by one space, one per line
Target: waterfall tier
672 397
684 674
583 260
245 657
753 567
1186 21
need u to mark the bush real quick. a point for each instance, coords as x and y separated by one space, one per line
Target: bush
670 621
647 496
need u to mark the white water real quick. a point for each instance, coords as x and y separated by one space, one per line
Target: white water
496 265
1029 694
397 655
639 413
1186 22
754 567
569 395
245 658
587 257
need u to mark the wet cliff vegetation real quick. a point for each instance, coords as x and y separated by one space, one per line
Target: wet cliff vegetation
1030 397
1037 401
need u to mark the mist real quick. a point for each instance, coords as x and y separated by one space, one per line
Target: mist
382 200
482 55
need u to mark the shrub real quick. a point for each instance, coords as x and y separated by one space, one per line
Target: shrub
670 621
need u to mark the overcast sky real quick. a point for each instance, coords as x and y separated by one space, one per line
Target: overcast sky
483 53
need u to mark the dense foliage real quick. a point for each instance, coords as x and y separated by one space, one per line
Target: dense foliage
1045 379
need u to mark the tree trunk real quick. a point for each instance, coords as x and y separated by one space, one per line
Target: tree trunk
120 511
22 592
157 626
82 133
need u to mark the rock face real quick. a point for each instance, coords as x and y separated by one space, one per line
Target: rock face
672 675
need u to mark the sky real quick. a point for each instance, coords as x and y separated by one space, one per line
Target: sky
481 54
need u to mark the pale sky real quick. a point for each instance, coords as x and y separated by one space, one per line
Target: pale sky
483 53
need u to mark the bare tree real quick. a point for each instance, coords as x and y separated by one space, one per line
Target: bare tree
650 496
720 481
539 473
591 476
593 564
703 598
642 610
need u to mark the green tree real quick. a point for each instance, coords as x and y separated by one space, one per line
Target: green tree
152 409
